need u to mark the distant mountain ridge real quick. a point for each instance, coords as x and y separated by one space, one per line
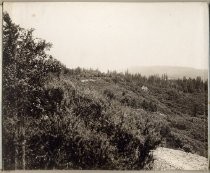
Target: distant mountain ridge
172 71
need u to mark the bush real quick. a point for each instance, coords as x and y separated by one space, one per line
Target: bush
149 106
187 148
165 131
87 108
109 94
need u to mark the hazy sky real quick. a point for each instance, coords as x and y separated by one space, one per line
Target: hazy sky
119 35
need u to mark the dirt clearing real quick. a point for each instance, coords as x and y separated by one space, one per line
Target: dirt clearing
170 159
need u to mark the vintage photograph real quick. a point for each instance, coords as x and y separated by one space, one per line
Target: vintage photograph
105 86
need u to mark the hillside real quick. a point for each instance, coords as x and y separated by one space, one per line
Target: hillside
60 118
122 119
172 72
177 112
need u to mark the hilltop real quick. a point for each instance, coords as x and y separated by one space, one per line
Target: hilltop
172 71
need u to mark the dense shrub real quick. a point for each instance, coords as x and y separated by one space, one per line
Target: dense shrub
53 121
109 94
130 101
149 106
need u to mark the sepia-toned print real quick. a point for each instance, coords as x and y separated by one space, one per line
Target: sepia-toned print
105 86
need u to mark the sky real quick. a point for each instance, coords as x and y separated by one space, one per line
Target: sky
116 36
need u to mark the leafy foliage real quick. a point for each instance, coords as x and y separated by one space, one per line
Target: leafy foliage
52 120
